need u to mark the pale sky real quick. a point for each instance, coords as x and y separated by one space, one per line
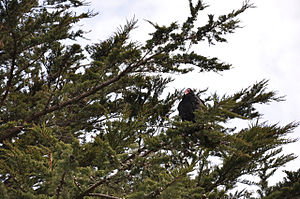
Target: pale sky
267 47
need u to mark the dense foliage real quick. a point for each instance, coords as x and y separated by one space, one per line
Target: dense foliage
97 121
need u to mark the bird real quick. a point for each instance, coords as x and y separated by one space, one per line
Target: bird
189 103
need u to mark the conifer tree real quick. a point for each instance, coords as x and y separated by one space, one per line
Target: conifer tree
90 121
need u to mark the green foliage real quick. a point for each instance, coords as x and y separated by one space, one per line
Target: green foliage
289 188
96 121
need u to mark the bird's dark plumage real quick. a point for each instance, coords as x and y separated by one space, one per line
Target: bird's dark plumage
189 103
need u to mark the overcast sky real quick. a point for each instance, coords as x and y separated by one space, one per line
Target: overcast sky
267 47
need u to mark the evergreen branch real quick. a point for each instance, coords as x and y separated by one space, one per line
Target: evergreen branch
90 92
103 196
77 183
158 192
11 73
60 186
127 164
12 132
16 182
225 24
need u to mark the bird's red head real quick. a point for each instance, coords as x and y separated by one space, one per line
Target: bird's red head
187 91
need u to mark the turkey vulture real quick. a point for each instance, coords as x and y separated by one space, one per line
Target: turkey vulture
189 103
